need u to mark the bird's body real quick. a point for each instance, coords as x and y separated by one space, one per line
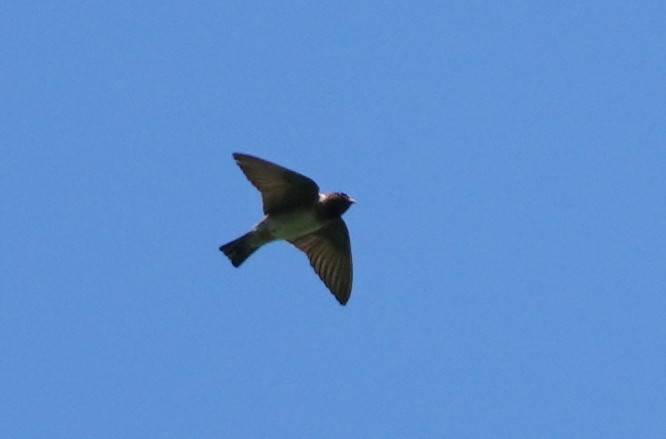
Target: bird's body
298 213
290 225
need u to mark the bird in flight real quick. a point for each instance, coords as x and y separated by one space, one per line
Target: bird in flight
296 212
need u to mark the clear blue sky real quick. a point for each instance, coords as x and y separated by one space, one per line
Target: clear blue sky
509 163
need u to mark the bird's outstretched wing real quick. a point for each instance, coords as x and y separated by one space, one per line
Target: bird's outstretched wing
281 189
329 251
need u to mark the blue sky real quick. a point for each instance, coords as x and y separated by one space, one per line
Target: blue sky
508 159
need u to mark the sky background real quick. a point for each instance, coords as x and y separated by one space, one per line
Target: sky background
509 163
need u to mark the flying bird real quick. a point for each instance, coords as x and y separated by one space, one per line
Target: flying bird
296 212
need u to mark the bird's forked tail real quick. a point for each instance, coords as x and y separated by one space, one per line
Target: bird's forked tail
239 249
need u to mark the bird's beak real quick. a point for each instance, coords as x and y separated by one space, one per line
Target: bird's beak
352 200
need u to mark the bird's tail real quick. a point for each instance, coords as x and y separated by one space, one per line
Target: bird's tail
239 249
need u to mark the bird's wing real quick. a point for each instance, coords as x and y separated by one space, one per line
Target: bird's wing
281 188
329 251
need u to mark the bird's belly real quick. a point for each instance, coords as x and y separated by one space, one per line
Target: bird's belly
292 225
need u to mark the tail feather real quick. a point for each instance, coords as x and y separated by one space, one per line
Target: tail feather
239 249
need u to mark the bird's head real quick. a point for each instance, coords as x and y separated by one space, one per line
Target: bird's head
336 203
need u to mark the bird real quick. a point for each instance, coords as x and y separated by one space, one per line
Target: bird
295 211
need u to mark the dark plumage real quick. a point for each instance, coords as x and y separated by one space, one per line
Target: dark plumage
295 211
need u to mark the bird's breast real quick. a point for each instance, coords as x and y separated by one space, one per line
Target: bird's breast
292 225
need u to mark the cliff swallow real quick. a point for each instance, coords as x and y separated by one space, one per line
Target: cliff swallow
296 212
